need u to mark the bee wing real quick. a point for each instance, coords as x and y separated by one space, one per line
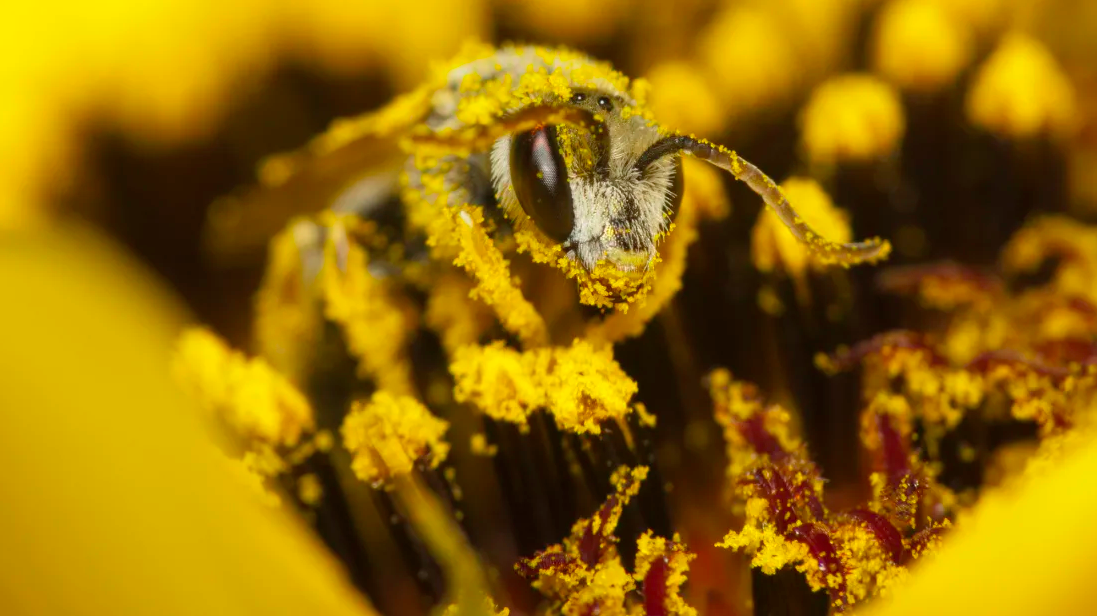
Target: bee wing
353 153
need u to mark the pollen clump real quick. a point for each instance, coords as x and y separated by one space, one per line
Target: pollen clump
390 434
584 573
486 95
774 247
497 380
853 117
770 552
918 46
584 386
1021 92
871 568
605 286
581 386
256 402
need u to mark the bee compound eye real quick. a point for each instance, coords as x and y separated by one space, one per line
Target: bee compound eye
540 180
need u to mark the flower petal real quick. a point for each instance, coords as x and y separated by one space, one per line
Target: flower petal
1025 550
114 502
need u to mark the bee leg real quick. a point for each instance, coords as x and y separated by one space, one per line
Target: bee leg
366 196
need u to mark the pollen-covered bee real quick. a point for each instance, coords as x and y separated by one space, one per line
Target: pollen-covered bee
555 149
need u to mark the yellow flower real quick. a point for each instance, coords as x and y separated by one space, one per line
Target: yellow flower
125 497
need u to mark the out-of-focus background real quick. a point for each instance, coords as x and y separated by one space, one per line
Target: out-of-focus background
135 117
940 124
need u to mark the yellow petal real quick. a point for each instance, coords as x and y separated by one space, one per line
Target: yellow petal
1023 551
113 501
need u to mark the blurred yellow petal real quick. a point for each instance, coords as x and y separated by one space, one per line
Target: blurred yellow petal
114 502
165 72
1026 550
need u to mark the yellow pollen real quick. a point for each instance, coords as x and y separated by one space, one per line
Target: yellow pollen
918 46
246 394
580 385
852 117
1021 92
390 434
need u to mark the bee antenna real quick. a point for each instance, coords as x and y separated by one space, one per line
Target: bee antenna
479 137
663 147
845 254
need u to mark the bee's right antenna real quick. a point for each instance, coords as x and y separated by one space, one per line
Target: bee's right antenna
870 251
479 137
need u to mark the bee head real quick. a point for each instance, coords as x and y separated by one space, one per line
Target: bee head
588 188
607 189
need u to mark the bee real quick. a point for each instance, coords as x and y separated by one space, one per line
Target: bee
550 143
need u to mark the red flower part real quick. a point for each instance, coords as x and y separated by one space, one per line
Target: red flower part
902 339
544 561
773 487
985 361
655 588
822 550
804 491
1069 350
1083 306
895 454
905 280
885 532
591 545
754 431
923 538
